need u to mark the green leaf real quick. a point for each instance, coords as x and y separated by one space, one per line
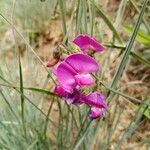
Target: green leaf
141 59
142 109
142 37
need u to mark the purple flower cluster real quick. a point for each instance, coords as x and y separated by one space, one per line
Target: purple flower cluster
74 73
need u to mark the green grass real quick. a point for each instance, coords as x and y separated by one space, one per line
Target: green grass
31 115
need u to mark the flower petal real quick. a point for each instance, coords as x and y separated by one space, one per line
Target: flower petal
96 100
96 112
74 98
87 42
60 91
84 79
82 41
65 76
82 63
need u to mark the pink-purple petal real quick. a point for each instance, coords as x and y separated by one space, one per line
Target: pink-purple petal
96 112
87 42
74 98
65 76
84 79
95 100
82 63
60 91
95 46
82 41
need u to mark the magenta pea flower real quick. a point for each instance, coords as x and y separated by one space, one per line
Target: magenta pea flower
75 71
70 98
88 44
97 103
96 112
95 100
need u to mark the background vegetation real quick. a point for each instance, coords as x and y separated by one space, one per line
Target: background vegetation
31 116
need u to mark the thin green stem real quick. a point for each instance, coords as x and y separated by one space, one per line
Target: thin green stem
79 141
62 7
22 98
47 119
